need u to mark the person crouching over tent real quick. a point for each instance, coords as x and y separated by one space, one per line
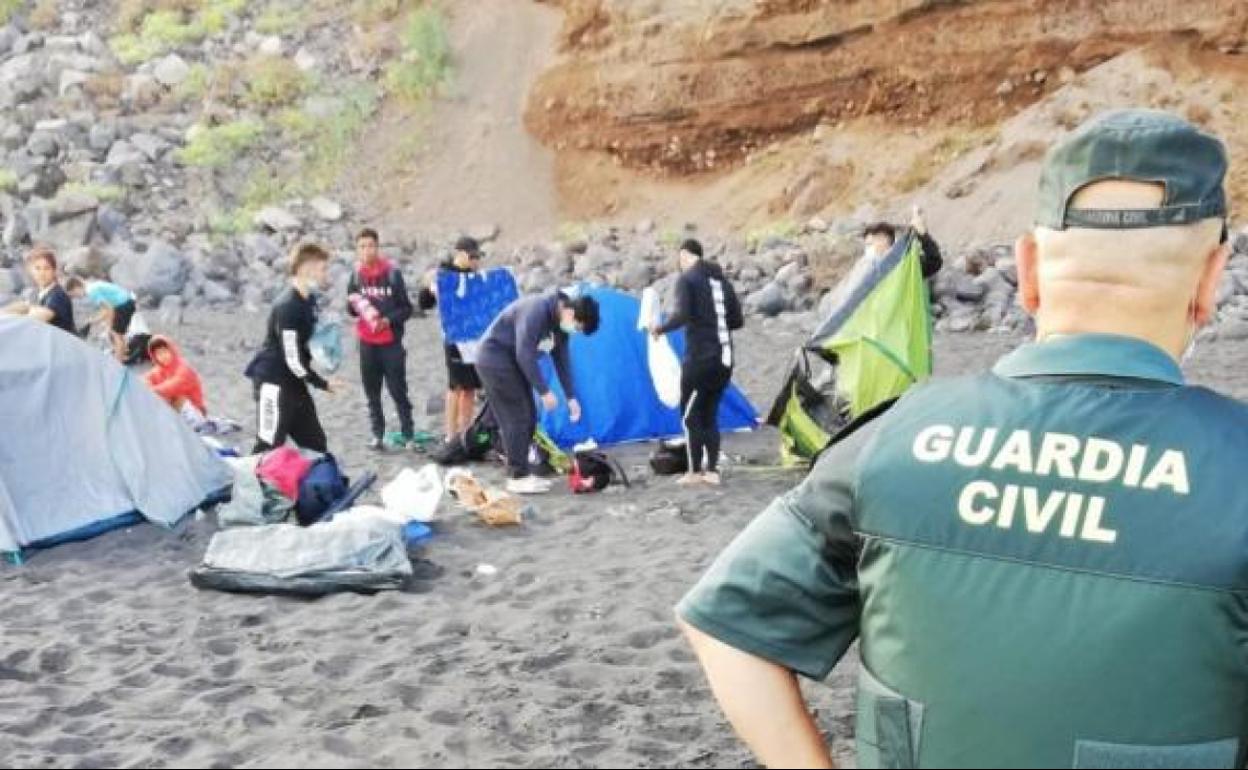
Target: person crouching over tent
707 305
172 377
116 308
508 363
282 369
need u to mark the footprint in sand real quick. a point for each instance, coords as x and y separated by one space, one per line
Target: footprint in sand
672 679
226 670
222 647
138 681
87 708
445 718
254 720
339 746
55 659
647 638
174 747
536 664
63 746
171 671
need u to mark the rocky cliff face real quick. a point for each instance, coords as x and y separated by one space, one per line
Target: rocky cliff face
685 86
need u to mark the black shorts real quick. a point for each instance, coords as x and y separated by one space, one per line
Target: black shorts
122 316
460 375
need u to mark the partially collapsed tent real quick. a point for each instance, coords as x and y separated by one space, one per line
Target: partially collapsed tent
874 344
85 446
619 400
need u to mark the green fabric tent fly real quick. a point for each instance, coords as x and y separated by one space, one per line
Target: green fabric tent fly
875 342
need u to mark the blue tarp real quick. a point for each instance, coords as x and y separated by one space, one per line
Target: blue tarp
617 395
469 302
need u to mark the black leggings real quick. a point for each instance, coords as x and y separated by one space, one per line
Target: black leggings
702 385
287 411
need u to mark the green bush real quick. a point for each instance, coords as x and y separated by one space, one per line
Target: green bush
273 81
786 229
196 84
148 35
104 193
425 62
279 19
8 8
217 146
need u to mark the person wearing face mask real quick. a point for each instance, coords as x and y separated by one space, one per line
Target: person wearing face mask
878 238
707 307
1044 565
50 303
508 362
282 369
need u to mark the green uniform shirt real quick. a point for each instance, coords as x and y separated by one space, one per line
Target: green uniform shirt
1047 566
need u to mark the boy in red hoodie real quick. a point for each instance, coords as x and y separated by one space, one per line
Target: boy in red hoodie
172 378
377 297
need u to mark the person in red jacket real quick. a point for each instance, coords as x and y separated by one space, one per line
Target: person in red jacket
172 378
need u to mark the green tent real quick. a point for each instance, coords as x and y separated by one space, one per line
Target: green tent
875 343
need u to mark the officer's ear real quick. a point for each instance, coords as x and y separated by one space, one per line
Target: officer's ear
1026 258
1206 303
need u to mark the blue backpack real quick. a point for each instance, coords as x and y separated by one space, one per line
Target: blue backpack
322 486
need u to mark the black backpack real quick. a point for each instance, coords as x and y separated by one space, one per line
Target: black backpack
669 460
593 471
473 445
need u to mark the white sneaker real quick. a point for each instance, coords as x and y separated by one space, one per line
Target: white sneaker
529 485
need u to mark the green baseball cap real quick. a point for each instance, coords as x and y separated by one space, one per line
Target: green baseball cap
1139 146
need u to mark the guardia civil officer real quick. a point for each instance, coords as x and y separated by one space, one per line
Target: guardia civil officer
1046 564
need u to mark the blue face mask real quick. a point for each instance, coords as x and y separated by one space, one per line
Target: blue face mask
568 327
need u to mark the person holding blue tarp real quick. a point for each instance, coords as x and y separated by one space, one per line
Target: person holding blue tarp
462 382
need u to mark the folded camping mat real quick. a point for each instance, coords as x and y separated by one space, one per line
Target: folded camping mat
348 554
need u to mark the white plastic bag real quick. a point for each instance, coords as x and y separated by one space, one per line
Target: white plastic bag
664 365
412 495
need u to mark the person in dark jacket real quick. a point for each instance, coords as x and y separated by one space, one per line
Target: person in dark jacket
377 298
49 302
282 369
880 237
508 362
461 375
708 309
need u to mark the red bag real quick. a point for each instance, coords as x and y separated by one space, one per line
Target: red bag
284 469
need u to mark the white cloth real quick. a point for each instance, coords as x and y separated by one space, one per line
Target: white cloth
664 365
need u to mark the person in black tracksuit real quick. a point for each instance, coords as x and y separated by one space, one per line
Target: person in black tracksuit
509 364
708 309
282 369
376 287
461 375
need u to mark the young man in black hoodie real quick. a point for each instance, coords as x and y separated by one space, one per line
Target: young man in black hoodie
462 381
508 362
377 299
282 369
708 309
